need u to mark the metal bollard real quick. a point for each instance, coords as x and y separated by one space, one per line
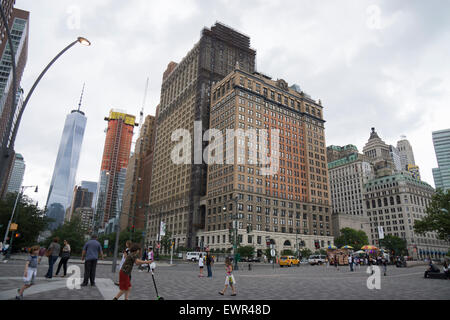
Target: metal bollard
249 267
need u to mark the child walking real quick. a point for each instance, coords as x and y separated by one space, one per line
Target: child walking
30 272
125 272
229 280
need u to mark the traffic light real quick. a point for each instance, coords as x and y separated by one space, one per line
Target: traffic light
17 235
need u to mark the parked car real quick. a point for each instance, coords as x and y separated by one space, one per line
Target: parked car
288 261
194 256
256 259
316 259
304 261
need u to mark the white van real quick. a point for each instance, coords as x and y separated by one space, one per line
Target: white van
316 259
194 256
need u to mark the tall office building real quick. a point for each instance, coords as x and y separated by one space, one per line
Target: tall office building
406 153
291 204
379 154
441 141
17 173
19 29
395 155
91 187
348 174
138 179
395 202
116 154
408 162
185 98
64 173
81 198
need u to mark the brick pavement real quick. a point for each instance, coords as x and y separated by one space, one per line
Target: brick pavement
181 282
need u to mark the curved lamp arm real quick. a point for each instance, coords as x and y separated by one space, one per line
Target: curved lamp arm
81 40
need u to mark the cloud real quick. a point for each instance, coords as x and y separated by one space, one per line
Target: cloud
371 68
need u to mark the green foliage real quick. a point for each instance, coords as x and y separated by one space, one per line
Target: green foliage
72 232
124 236
351 237
305 253
393 243
166 241
438 216
31 220
287 253
247 251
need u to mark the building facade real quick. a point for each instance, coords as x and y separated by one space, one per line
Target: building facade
177 189
86 216
116 154
290 205
63 180
395 202
91 187
19 29
347 178
16 175
441 141
138 180
81 198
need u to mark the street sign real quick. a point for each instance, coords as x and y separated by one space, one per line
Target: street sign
106 243
272 252
14 227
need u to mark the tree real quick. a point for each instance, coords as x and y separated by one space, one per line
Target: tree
287 253
393 243
123 238
247 251
305 253
438 216
30 219
351 237
72 232
166 241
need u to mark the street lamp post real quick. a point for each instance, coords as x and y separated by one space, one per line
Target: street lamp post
7 148
19 195
236 232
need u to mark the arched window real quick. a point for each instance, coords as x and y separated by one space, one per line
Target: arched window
287 243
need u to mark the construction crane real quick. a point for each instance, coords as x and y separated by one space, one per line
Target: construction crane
141 120
141 114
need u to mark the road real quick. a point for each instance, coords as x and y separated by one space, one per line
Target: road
181 282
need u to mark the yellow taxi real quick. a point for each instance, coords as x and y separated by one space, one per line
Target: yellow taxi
289 261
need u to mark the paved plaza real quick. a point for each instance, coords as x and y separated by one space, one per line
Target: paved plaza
263 282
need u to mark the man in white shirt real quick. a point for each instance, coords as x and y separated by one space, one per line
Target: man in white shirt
350 262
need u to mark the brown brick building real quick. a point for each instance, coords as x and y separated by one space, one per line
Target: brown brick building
176 190
291 206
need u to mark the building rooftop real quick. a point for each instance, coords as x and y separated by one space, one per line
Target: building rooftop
402 176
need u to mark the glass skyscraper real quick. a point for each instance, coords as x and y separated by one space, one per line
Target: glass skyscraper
63 180
17 173
441 141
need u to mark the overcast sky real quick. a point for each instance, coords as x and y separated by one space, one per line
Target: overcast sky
382 64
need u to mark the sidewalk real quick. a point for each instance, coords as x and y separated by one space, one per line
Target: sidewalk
77 260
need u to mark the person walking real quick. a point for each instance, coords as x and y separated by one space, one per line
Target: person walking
126 270
350 262
125 253
53 254
30 271
150 257
336 262
229 279
65 256
384 263
201 264
91 251
209 262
